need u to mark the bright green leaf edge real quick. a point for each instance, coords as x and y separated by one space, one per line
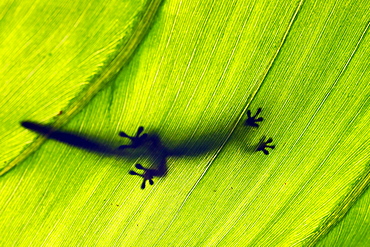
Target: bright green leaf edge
354 229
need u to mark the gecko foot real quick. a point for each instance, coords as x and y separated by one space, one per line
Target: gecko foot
264 144
136 141
147 175
252 120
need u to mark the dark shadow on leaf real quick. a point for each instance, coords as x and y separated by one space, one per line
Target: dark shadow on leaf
149 145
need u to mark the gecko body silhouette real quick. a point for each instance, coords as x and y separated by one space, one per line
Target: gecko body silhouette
151 143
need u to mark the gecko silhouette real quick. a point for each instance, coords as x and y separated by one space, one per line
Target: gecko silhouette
149 142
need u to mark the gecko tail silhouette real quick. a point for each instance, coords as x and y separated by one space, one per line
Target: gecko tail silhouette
68 138
152 143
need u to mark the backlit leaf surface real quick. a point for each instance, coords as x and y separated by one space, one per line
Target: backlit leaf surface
199 68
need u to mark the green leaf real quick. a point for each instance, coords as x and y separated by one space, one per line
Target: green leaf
353 229
191 81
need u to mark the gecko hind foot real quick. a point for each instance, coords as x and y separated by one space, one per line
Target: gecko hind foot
252 120
147 175
264 144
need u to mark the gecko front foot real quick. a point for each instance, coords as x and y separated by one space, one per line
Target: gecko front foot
264 144
252 120
147 175
136 141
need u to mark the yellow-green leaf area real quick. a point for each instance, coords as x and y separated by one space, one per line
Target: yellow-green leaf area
52 57
353 229
201 66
